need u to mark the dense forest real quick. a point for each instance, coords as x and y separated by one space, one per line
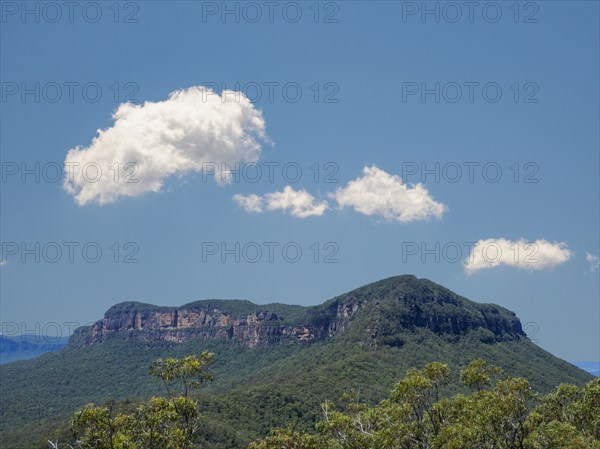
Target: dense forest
500 412
274 365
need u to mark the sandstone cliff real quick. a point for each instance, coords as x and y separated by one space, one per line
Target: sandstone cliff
378 312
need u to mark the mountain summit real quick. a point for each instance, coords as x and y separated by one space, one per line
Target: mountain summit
374 314
275 362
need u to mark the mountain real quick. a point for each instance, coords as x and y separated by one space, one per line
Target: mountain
591 367
382 312
275 363
23 347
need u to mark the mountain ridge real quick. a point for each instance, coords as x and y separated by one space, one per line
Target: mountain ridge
403 301
27 346
275 367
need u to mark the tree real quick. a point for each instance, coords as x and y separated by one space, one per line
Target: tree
189 372
479 374
414 416
568 418
506 414
169 422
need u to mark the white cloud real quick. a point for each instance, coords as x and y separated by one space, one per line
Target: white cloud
3 262
379 193
298 203
538 255
193 130
250 203
593 260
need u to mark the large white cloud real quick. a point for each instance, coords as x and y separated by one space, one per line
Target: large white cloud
527 255
298 203
377 192
193 130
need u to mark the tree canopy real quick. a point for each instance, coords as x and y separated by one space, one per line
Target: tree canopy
507 415
500 412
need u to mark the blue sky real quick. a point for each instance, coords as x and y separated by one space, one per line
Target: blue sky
364 67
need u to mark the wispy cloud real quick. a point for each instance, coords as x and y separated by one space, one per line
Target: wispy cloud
250 203
594 261
298 203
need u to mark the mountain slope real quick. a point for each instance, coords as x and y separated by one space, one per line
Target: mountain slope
275 363
23 347
376 312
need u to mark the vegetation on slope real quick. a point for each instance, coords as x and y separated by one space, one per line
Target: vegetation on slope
402 322
415 415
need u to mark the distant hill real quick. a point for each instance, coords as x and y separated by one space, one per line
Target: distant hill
275 363
23 347
591 367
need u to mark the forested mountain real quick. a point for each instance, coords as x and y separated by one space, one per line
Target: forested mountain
23 347
274 363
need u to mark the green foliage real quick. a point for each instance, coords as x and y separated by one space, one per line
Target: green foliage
254 390
479 374
290 439
403 322
159 423
413 418
568 418
188 371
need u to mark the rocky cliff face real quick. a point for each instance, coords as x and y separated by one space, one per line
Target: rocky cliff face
143 322
377 311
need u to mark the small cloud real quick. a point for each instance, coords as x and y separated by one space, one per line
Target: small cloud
593 260
298 203
250 203
3 262
522 254
194 130
377 192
